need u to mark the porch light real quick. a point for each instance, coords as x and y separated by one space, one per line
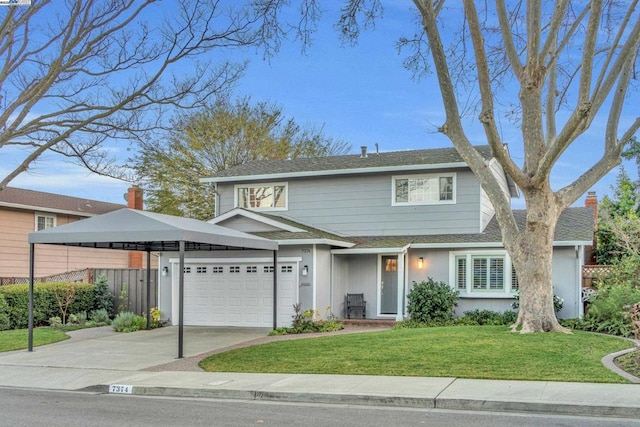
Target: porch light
420 263
165 270
391 264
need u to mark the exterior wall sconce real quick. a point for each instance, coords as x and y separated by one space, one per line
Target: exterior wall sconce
420 263
305 270
165 271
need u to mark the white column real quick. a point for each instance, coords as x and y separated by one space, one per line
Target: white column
400 300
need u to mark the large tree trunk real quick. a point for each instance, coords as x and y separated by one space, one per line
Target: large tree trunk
532 253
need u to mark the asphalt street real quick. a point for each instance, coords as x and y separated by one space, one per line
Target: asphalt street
25 407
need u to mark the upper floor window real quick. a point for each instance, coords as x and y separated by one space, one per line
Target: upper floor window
45 221
424 189
262 196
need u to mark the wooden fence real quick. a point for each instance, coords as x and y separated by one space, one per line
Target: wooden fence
134 279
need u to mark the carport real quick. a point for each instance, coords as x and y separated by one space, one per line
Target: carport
135 230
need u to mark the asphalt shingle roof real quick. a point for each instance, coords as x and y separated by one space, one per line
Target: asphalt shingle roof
431 156
48 201
575 224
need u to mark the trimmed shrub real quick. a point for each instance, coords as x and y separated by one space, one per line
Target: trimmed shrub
128 322
100 317
431 301
5 322
45 305
103 298
488 317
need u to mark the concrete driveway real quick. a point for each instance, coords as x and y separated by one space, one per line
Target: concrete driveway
102 348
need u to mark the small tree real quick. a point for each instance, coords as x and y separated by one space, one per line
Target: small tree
65 294
103 297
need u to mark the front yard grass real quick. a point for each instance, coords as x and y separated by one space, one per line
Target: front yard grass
484 352
16 339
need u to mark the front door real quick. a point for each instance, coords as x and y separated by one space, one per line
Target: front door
389 284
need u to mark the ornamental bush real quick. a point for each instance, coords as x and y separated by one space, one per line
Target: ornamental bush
128 322
610 310
103 296
45 305
431 301
5 323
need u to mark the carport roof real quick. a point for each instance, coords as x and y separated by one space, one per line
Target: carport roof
130 229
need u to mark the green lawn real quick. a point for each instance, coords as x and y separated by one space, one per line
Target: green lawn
488 352
16 339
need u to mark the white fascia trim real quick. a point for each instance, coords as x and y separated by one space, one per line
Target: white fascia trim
351 171
234 260
455 245
255 217
381 251
331 242
46 210
484 245
574 243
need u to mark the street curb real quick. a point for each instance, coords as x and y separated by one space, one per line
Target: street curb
386 401
609 363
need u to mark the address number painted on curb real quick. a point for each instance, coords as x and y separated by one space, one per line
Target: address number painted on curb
120 389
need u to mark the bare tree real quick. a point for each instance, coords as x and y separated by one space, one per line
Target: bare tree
555 66
75 74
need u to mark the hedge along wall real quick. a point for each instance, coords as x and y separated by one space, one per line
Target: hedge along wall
45 304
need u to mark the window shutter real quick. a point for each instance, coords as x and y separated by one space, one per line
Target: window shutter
461 273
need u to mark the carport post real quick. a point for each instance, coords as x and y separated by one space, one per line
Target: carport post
148 289
181 301
275 290
31 274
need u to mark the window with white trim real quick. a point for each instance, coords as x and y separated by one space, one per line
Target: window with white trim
477 272
261 196
45 221
424 189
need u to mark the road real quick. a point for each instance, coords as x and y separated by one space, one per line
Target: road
23 407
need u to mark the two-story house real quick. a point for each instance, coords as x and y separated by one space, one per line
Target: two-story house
370 223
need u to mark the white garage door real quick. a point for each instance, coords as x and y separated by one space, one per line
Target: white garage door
239 294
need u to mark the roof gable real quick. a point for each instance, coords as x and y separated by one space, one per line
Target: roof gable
19 198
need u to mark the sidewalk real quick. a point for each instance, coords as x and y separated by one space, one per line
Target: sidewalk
586 399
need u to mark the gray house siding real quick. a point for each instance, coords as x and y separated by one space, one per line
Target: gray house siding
323 281
355 274
362 205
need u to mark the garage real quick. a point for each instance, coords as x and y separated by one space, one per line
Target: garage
237 293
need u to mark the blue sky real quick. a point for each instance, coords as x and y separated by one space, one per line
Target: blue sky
360 94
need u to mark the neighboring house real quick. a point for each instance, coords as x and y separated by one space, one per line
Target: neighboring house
369 223
25 211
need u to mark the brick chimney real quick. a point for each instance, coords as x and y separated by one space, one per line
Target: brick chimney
591 202
134 198
134 201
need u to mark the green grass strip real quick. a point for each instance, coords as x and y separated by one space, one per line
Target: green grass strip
484 352
17 339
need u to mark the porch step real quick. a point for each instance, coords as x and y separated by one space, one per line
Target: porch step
369 322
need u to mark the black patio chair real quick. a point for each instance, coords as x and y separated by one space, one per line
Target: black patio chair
356 303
